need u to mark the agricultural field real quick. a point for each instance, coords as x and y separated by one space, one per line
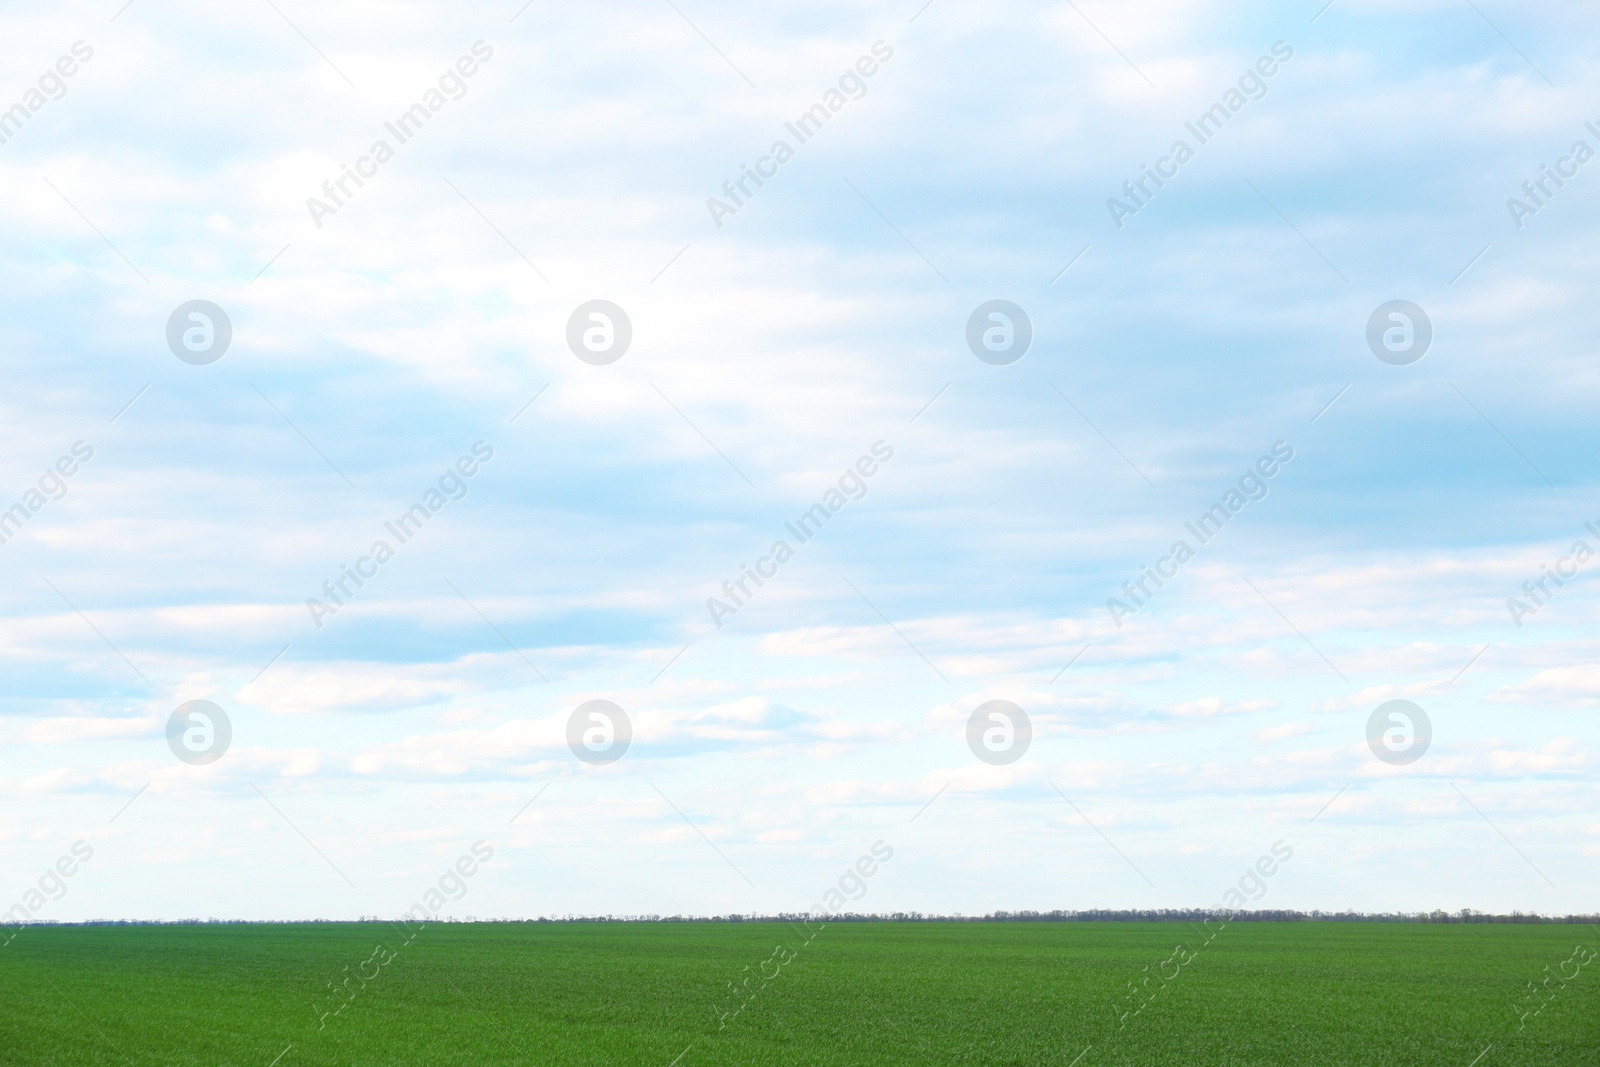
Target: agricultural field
659 994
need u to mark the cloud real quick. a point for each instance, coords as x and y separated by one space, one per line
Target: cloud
87 728
349 687
1283 732
1576 686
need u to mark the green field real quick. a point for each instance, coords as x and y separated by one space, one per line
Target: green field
856 993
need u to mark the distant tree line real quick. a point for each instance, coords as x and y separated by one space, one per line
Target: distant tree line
1095 915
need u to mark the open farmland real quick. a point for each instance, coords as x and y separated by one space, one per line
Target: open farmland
854 993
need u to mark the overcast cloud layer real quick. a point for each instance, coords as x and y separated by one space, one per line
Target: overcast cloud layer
1179 336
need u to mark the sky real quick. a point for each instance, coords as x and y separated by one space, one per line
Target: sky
414 343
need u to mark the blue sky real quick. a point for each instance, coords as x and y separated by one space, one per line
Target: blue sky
768 354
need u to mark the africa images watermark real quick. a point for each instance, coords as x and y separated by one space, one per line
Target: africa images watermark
850 887
1204 128
1536 998
52 885
452 485
53 82
403 129
1252 486
452 882
853 481
52 486
1538 191
1563 571
1251 887
810 122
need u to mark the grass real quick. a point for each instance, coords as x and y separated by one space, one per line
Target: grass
857 993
